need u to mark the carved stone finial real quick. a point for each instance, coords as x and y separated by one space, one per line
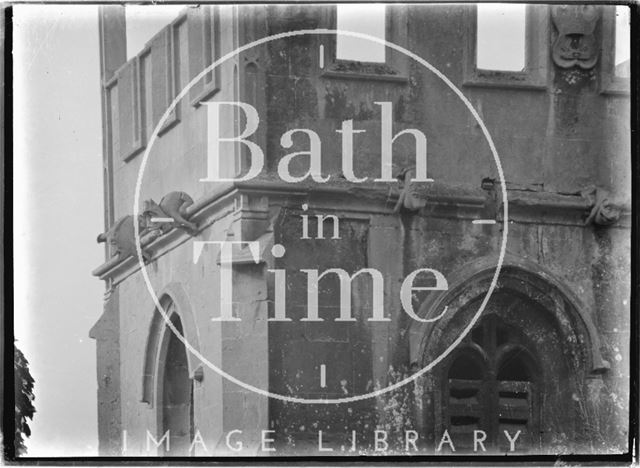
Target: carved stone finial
576 44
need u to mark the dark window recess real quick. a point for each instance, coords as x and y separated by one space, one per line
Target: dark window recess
176 395
512 367
490 386
477 336
466 396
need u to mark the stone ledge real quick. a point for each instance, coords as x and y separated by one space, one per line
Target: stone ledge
351 75
443 201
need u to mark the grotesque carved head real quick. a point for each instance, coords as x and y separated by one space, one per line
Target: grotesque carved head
576 44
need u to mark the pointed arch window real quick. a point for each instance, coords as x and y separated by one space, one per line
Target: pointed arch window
491 386
175 394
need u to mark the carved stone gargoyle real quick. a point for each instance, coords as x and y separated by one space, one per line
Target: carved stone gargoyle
602 211
576 44
173 206
121 236
412 194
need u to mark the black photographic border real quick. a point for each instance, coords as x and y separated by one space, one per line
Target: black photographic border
7 308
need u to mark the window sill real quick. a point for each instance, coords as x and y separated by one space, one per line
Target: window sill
205 94
357 71
133 152
354 75
354 70
172 120
499 79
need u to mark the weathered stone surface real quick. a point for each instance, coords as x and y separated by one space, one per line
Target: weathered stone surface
552 141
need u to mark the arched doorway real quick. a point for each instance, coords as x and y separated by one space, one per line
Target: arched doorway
174 394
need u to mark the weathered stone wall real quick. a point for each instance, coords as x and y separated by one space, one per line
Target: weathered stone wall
297 349
195 293
177 160
568 254
553 141
106 332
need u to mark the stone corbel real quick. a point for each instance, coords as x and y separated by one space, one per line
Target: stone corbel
603 211
437 197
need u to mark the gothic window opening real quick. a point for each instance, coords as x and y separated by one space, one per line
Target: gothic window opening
490 386
175 395
466 394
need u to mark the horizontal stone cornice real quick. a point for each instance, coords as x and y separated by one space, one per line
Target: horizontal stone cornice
443 201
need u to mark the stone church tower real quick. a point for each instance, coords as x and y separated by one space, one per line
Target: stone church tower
548 356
